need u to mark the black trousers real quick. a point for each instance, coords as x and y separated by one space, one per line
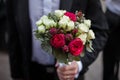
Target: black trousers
111 53
40 72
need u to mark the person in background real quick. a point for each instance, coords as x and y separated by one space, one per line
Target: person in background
27 60
3 25
111 54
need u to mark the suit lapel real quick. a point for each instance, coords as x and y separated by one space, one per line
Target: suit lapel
66 4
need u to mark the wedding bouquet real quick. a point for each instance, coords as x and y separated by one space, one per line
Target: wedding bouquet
65 35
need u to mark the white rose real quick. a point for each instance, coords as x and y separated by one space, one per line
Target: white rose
88 23
39 22
91 35
52 23
44 17
63 23
83 37
59 13
70 25
41 29
83 28
65 18
47 23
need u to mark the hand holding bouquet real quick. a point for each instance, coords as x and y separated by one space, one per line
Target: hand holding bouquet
65 35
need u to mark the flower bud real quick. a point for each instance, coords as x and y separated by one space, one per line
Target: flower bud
74 31
79 14
65 48
68 37
53 31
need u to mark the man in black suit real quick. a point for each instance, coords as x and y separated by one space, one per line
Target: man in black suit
20 15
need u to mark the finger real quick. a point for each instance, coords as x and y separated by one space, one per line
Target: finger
68 70
69 77
64 74
67 67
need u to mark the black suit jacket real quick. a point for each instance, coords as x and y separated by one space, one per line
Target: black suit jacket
3 23
20 46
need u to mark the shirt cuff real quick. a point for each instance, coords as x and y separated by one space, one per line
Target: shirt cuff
80 66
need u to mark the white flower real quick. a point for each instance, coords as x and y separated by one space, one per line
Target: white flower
83 28
65 18
70 26
49 23
88 23
83 37
39 22
59 13
41 29
52 23
63 22
44 17
46 22
91 35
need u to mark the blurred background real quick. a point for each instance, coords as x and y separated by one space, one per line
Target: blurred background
94 72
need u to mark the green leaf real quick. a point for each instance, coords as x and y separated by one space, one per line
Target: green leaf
53 17
83 53
60 56
46 46
71 57
89 47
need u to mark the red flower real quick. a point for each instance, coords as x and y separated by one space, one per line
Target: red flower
58 40
71 16
74 31
68 37
65 48
76 47
53 31
79 14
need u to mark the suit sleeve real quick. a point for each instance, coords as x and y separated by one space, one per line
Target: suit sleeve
100 27
14 48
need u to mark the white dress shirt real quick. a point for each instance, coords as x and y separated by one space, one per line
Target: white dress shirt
38 8
113 6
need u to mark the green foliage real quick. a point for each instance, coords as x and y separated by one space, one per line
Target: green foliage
46 46
60 56
71 58
53 17
89 47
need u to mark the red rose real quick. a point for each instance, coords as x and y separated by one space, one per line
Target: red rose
58 40
76 46
71 16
